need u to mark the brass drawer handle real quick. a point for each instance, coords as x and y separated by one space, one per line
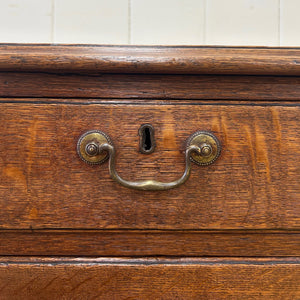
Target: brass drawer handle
94 147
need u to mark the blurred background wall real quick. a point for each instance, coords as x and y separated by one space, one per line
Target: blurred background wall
161 22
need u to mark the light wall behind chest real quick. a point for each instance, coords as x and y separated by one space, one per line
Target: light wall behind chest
165 22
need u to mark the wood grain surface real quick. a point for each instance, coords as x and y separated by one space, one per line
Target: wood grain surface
66 278
151 59
253 185
145 86
153 245
139 243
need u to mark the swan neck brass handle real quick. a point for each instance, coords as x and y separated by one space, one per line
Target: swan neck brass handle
94 147
148 185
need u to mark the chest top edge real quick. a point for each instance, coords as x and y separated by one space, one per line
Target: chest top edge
98 59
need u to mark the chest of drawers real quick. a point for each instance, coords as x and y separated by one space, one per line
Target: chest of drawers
151 223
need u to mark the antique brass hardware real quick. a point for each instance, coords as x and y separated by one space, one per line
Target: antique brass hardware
147 141
88 147
94 147
209 145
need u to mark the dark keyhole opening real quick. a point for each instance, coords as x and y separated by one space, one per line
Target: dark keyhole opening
147 142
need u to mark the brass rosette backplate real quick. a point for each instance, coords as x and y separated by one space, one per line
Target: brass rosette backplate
88 147
207 140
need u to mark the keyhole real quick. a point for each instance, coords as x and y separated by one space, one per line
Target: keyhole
147 142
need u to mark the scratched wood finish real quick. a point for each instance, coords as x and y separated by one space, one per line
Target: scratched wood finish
138 243
38 278
143 59
253 185
145 86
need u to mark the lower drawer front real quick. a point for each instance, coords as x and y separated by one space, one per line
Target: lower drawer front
253 185
46 278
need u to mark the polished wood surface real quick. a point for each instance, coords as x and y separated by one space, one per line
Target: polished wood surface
232 231
150 59
138 243
148 87
253 185
40 278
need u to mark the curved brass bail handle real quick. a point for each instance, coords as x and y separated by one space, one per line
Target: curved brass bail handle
149 185
94 147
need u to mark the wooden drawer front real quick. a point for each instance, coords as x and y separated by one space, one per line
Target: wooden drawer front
253 185
149 279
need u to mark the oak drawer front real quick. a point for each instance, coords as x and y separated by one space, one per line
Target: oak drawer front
253 185
67 278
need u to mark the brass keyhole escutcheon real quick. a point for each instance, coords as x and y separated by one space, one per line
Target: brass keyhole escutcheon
147 140
209 145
